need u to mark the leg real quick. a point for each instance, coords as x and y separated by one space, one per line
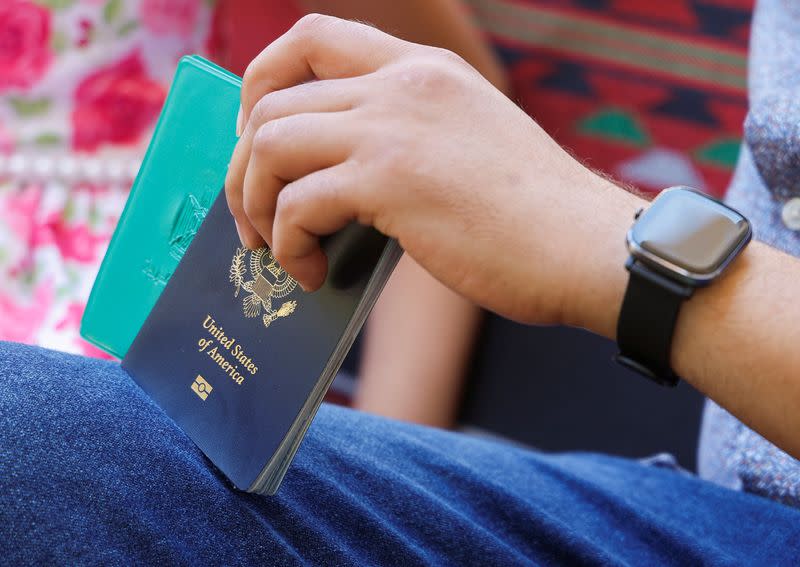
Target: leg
94 472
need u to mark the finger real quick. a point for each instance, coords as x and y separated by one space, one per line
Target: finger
331 95
321 47
287 149
318 96
315 205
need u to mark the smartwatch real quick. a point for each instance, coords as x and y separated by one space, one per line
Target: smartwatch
682 241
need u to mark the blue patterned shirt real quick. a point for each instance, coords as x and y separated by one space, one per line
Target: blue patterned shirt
766 189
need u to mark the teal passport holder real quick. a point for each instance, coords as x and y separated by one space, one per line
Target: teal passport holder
182 173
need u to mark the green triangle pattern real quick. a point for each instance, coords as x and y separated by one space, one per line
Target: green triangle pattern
723 153
614 124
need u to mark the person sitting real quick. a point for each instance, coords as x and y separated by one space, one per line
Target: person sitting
414 142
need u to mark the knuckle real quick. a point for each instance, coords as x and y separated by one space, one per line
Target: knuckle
450 58
235 206
310 24
227 186
249 75
430 77
253 206
280 250
231 196
284 103
266 138
264 109
287 206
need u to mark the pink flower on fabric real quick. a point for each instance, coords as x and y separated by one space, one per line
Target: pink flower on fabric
25 52
6 141
72 318
78 243
43 231
18 211
19 321
87 27
170 17
74 242
115 105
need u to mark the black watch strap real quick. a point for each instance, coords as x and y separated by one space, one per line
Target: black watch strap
647 322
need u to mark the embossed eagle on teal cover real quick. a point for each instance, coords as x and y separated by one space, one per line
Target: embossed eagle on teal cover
180 177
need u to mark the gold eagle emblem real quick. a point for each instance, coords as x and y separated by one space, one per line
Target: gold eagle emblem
270 282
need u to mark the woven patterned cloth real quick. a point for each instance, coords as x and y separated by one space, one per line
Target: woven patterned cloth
653 93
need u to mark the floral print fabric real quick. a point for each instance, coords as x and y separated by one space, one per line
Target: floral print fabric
81 86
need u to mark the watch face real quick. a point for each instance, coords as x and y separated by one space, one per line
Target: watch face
689 233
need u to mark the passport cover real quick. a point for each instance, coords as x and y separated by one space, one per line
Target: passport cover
240 357
180 176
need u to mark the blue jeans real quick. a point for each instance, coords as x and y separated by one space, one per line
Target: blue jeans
92 471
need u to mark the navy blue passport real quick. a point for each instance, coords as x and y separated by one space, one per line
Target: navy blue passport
240 357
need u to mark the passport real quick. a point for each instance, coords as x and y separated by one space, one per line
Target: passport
240 357
225 340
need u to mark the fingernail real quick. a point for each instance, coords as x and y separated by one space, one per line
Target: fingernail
239 122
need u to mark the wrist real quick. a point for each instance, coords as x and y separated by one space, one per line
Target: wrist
597 287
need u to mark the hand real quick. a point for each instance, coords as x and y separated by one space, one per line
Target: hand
414 142
345 123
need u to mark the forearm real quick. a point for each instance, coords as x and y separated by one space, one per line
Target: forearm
736 340
544 236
